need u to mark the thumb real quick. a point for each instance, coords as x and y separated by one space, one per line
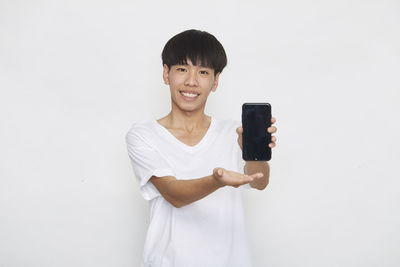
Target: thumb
219 171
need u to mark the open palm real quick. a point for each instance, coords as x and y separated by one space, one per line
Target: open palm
235 179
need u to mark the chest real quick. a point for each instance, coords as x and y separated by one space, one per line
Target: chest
217 151
191 139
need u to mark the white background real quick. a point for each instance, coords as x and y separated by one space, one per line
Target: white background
74 75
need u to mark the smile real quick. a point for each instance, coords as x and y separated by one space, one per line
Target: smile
189 96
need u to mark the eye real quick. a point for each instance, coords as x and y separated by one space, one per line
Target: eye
181 69
204 72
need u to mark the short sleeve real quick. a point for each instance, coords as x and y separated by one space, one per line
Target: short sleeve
146 161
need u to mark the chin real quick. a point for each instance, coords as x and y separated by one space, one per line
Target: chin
187 106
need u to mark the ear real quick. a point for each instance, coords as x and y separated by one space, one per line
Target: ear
215 84
165 74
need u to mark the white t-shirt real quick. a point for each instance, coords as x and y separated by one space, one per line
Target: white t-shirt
210 232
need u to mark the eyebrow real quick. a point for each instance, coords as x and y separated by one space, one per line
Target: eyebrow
202 66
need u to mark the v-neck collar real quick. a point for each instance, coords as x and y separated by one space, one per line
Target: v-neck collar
168 135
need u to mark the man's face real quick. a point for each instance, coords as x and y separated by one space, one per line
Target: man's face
190 85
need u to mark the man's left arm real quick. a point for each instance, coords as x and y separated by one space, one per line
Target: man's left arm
252 167
258 166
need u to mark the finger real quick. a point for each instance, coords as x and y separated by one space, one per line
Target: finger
272 129
246 179
239 129
273 139
257 175
250 178
272 144
218 172
273 120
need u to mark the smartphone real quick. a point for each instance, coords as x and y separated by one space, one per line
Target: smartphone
256 119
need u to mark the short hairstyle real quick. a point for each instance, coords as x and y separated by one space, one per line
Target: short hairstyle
197 46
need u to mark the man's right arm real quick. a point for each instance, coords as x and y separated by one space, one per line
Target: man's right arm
183 192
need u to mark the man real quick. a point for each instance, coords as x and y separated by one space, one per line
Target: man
189 165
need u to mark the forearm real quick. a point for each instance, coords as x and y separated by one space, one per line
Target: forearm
258 166
185 192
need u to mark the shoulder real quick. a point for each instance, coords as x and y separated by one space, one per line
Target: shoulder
228 124
226 128
139 132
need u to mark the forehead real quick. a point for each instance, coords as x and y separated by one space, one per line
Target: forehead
189 63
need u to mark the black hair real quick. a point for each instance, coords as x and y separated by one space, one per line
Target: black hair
197 46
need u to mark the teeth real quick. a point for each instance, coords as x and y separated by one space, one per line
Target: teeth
188 94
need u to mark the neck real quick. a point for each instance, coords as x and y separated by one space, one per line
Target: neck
187 121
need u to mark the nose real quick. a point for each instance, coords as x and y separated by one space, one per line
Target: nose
191 79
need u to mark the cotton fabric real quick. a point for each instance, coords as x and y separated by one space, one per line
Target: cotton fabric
209 232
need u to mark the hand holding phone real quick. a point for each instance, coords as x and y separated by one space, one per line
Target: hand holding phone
256 119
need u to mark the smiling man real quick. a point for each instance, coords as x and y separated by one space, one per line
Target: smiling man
189 165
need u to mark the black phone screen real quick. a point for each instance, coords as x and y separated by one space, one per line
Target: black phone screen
256 118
